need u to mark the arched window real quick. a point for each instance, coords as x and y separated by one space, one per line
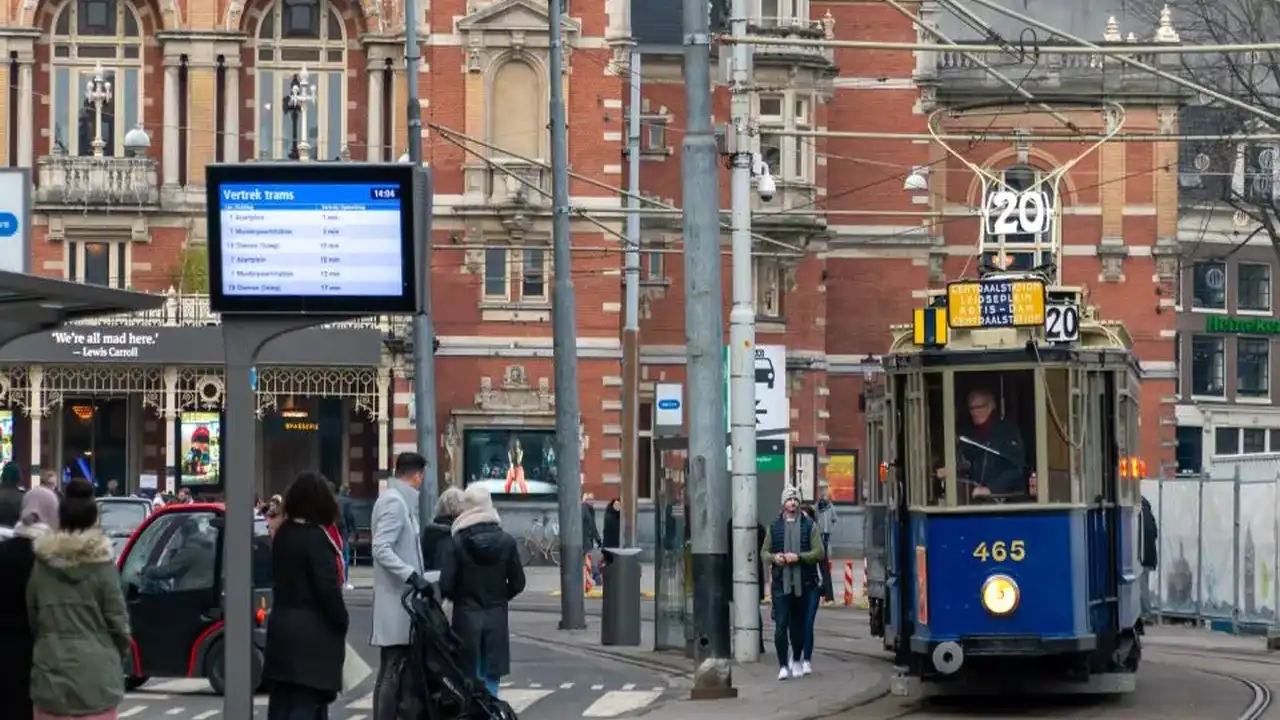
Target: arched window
1025 251
294 35
88 34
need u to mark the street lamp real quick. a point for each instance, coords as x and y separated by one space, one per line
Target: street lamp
97 92
295 106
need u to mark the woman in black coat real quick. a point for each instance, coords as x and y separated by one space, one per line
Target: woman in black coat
440 529
482 576
612 535
37 516
307 628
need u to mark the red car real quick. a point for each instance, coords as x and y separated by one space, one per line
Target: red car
171 573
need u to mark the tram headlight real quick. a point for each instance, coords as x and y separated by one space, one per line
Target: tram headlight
1000 595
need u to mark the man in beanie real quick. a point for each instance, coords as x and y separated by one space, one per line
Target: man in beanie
792 550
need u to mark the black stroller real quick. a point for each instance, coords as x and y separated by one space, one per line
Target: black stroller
437 684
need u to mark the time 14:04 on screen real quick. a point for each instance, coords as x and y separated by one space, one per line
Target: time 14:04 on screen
384 193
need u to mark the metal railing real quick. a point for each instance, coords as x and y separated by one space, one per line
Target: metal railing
1219 544
192 310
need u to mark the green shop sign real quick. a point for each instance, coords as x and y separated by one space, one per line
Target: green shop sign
1242 325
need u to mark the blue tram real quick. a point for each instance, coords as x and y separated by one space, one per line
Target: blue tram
1003 531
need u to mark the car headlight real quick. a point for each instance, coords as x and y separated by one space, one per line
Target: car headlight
1000 595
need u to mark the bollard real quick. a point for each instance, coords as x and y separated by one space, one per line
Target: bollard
862 594
620 614
848 582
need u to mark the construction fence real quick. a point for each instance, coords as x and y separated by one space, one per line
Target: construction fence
1219 544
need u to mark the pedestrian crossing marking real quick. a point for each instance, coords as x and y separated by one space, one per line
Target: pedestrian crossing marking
180 686
597 687
364 703
132 711
521 700
618 702
629 686
205 715
175 711
566 686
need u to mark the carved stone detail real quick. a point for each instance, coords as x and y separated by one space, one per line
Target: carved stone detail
1166 253
1111 252
515 394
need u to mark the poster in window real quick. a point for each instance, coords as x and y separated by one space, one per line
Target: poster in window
200 448
510 462
842 475
6 437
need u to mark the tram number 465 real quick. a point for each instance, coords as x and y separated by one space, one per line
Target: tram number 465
1000 551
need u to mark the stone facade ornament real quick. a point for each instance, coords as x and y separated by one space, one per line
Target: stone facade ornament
1167 119
1112 33
1165 32
829 26
1111 252
234 10
453 449
1166 254
515 395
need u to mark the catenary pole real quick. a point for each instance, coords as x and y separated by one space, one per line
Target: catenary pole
742 358
565 347
631 320
709 498
424 361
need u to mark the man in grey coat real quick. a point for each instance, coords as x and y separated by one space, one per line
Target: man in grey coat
397 564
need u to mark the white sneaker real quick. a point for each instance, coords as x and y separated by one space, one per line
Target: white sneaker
784 673
794 668
805 668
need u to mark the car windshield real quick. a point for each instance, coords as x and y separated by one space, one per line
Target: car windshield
122 518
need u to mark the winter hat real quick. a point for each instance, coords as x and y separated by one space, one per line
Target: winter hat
477 497
40 507
790 492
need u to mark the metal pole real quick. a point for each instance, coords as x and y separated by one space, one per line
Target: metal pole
424 360
708 489
742 359
565 343
237 700
631 325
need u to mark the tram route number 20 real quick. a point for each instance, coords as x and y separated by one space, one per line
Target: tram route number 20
1015 213
1000 551
1062 323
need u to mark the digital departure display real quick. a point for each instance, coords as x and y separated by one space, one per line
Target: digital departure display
327 242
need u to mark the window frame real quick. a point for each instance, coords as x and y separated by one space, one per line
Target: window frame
1253 395
764 268
1195 282
1240 294
543 273
797 156
485 277
1222 369
127 75
119 252
326 75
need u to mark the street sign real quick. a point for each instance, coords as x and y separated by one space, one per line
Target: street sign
995 303
773 413
668 409
15 219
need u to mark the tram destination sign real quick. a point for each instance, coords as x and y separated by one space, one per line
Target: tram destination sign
997 303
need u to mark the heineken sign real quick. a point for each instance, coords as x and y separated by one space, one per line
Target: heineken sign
1242 325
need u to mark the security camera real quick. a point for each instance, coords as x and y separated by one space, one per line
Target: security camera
765 185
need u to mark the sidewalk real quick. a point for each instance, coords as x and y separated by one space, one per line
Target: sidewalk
1203 640
837 683
545 580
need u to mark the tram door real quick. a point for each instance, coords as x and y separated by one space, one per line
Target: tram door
875 539
1102 425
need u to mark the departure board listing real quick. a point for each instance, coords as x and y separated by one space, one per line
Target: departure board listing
311 240
995 304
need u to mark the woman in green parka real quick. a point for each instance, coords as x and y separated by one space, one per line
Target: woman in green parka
78 616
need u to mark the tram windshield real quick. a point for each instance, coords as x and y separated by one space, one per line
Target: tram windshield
995 418
981 429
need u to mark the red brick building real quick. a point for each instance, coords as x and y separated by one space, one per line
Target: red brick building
844 250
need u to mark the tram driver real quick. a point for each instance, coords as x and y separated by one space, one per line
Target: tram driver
991 454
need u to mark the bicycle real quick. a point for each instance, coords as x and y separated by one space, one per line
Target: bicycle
542 541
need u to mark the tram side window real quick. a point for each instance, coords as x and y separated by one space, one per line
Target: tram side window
935 439
995 434
1058 415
